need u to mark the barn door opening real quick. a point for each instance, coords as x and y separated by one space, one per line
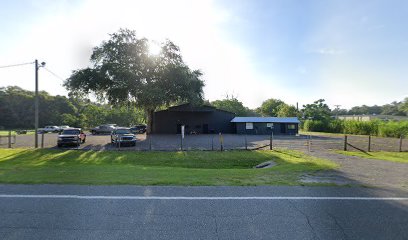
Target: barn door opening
205 128
283 128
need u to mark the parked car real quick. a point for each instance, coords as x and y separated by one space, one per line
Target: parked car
50 129
61 128
71 136
140 128
103 129
123 136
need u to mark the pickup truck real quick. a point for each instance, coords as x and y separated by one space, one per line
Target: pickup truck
103 129
140 128
52 129
123 136
71 136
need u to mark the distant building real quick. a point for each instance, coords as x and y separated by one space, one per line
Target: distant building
264 125
373 117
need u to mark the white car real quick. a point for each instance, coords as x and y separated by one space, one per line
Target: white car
53 129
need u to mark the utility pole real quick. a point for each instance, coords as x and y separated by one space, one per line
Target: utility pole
337 110
36 102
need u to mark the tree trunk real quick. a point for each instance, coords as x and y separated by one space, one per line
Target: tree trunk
149 114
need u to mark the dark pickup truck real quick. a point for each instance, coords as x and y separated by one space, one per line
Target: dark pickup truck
103 129
123 136
71 136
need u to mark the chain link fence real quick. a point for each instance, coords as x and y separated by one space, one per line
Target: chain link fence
217 142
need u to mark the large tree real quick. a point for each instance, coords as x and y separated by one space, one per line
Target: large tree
270 107
232 104
286 110
317 110
124 71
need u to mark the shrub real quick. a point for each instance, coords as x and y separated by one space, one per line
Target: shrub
361 127
316 126
393 129
375 127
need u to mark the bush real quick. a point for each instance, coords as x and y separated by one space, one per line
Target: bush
393 129
375 127
316 126
361 127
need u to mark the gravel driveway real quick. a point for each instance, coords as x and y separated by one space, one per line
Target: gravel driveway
360 171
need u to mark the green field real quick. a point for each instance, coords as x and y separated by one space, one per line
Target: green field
156 168
400 157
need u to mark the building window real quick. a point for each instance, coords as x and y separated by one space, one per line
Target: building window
249 126
269 125
291 126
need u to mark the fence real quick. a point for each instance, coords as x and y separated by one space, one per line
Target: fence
221 142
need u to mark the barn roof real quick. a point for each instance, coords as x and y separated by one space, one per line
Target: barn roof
188 107
266 119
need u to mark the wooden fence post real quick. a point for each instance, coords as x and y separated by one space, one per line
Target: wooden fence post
246 143
212 142
369 143
150 142
309 143
400 143
271 141
42 140
345 142
9 139
221 142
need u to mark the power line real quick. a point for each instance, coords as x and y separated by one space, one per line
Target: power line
54 74
15 65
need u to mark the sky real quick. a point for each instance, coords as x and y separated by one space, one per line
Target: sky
347 52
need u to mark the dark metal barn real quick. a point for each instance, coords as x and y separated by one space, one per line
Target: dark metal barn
264 125
196 119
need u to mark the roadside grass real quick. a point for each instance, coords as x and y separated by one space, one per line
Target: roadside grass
400 157
35 166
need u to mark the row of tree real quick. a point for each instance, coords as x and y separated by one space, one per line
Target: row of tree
276 108
17 111
395 108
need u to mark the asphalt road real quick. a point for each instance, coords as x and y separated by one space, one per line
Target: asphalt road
130 212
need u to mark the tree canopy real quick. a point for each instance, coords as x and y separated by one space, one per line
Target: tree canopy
286 110
123 70
317 110
232 104
270 107
17 111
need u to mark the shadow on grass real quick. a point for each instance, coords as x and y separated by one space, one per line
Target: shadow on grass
192 159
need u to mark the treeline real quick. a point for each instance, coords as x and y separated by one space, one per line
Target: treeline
373 127
17 111
394 108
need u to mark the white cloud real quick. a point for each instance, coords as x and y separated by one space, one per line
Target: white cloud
329 51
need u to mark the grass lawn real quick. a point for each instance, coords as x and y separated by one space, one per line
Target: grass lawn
156 168
400 157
